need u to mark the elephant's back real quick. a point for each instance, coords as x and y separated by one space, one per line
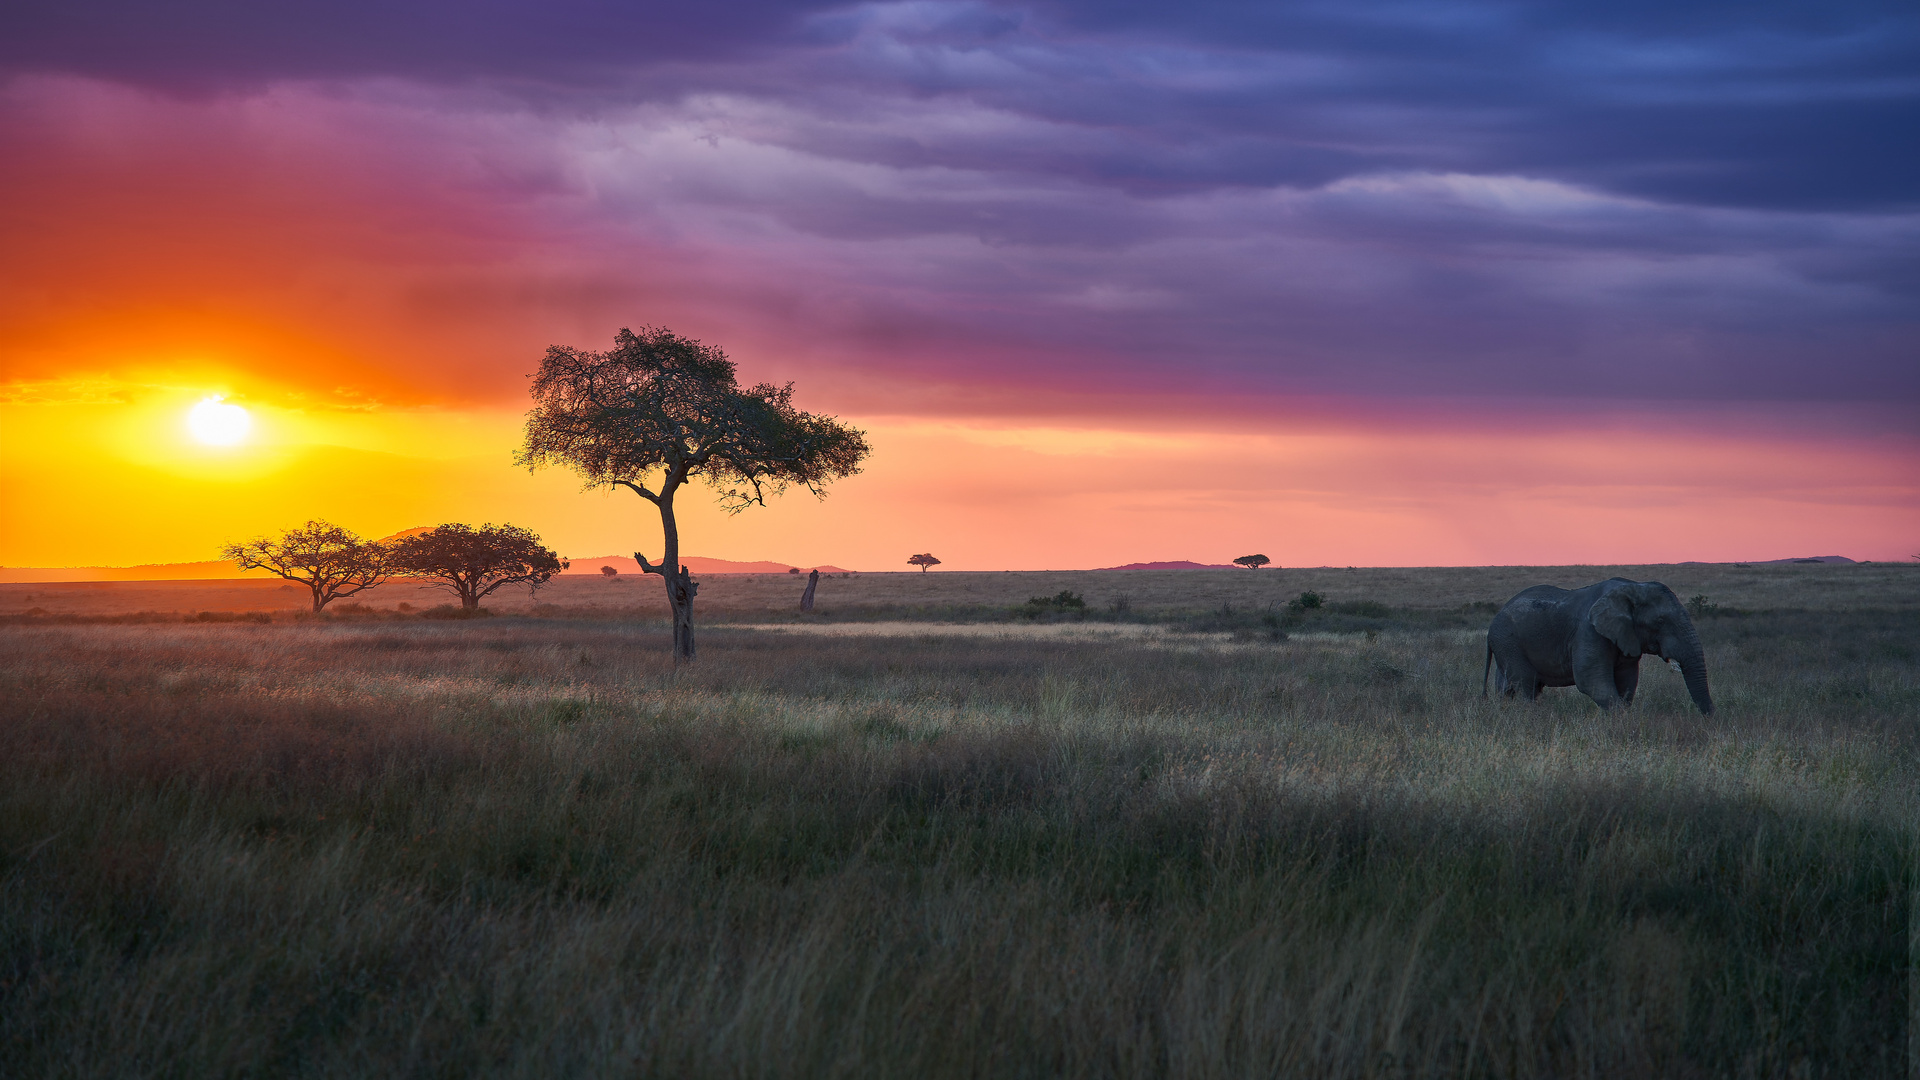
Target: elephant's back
1537 594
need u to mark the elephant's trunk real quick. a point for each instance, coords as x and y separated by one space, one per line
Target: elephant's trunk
1692 658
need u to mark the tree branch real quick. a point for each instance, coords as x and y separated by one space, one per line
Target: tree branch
637 490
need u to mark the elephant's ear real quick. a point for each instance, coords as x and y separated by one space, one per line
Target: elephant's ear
1612 615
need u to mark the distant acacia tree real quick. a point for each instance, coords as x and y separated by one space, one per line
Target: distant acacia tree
1252 562
330 561
474 562
608 571
658 410
923 562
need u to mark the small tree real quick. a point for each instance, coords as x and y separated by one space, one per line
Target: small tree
608 571
1252 562
330 561
923 562
474 562
659 410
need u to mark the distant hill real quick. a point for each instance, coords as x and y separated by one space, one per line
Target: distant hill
1177 564
699 564
1828 559
1813 559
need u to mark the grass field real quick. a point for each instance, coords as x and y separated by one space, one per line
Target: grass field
1150 594
922 835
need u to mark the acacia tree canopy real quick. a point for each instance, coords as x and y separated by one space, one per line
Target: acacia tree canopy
474 562
658 410
329 560
1252 562
923 561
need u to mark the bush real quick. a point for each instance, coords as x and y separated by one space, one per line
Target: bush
1064 600
1306 601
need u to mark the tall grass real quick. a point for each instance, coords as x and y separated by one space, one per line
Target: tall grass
515 847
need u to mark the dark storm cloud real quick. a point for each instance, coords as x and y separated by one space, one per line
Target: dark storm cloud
1802 105
211 44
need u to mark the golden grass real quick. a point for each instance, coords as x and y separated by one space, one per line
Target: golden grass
529 847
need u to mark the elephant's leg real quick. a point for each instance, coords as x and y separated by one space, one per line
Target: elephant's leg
1518 676
1596 681
1626 678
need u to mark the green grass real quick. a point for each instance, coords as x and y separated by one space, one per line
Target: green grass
527 847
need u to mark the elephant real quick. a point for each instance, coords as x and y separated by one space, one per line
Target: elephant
1593 638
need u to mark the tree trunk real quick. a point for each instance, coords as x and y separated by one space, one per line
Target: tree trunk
680 590
679 581
806 598
319 600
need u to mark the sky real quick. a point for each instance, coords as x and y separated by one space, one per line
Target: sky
1348 283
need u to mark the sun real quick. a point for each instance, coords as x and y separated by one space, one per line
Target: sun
217 423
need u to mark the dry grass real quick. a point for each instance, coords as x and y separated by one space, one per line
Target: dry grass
527 847
1152 594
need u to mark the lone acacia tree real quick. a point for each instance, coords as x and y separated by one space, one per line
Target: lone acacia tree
657 411
331 561
923 561
1252 562
474 562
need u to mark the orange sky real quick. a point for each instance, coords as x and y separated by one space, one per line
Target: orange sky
102 473
373 280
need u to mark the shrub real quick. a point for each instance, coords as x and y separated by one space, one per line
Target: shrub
1306 601
1066 600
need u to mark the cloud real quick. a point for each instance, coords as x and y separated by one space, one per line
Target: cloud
1765 105
995 199
421 244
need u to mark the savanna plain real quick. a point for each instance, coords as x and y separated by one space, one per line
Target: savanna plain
1182 827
